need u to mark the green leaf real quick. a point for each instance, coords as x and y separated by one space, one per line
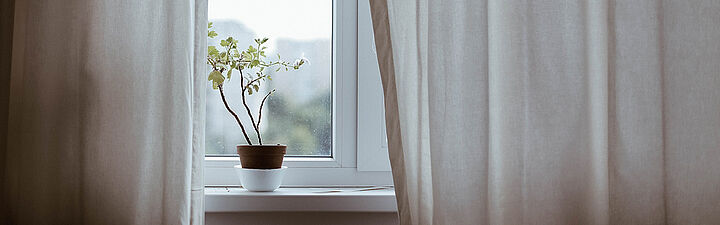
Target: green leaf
212 51
256 87
209 25
263 40
246 55
224 43
229 73
251 49
250 91
212 34
216 77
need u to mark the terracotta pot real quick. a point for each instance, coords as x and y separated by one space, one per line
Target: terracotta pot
261 156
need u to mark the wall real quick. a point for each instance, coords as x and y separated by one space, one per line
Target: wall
301 218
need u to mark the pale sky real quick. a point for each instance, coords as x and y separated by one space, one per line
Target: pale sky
291 19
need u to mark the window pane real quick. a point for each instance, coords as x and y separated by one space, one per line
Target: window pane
299 113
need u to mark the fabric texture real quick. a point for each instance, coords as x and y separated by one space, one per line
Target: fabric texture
7 15
552 112
101 99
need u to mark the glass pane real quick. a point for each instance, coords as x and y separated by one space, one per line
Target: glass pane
299 113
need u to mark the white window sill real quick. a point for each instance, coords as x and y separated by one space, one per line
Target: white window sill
326 199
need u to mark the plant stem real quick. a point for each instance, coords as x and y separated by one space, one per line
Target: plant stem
260 111
222 94
252 81
247 108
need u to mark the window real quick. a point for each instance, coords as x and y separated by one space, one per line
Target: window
329 113
299 113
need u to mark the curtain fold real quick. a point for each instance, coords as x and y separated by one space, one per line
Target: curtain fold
7 15
106 113
552 112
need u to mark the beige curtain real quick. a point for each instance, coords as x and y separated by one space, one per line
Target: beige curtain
552 112
105 112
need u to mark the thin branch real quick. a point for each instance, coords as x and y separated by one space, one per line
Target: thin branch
247 108
260 111
252 81
210 61
222 94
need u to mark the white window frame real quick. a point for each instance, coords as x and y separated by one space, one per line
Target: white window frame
352 163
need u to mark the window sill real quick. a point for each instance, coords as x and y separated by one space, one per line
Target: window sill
326 199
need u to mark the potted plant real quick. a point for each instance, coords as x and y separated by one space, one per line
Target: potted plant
226 58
